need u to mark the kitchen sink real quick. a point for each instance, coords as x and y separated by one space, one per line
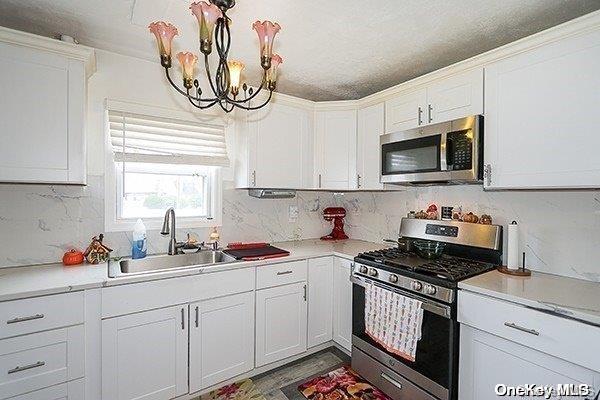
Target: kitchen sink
164 262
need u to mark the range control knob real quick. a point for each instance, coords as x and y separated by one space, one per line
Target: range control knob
363 269
373 272
430 289
393 278
416 285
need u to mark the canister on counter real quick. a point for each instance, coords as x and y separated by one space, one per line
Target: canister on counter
447 212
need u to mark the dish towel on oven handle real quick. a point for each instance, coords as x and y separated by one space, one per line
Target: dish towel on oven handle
393 320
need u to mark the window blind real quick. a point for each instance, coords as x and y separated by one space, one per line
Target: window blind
140 138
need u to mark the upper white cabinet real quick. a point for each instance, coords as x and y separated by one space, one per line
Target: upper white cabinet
145 355
335 149
541 121
42 114
274 148
320 300
221 339
445 99
280 322
342 300
368 162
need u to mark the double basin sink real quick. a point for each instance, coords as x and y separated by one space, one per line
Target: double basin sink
161 263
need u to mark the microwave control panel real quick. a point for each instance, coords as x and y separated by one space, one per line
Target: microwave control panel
460 149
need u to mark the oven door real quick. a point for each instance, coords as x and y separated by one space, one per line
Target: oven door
418 155
435 366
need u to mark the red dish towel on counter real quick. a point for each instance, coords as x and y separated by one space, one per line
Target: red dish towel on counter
393 320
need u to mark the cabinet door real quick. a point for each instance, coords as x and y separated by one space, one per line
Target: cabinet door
370 128
320 300
457 96
342 300
335 149
221 339
279 147
280 322
73 390
487 360
406 111
145 355
541 122
42 121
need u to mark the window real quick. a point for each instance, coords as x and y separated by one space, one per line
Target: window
159 163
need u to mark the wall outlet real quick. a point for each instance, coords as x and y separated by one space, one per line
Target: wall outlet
293 212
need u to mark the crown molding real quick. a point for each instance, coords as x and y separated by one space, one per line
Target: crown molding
73 51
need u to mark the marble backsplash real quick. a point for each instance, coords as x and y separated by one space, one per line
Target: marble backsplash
560 230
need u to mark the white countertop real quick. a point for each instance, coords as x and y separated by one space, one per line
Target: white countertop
563 296
38 280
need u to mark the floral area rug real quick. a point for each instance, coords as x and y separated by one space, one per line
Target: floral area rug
242 390
340 384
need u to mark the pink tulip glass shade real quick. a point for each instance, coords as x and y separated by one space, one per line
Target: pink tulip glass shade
188 63
164 33
207 15
266 31
235 75
276 61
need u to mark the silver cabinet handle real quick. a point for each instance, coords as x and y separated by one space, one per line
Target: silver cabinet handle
358 181
197 316
26 367
23 319
253 178
429 110
522 329
319 181
304 292
419 114
391 380
284 272
183 318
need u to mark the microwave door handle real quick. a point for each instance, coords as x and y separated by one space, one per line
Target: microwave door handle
449 152
443 147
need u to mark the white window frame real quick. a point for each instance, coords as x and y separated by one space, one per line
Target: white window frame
112 222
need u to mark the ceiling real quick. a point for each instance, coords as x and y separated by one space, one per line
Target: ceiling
332 50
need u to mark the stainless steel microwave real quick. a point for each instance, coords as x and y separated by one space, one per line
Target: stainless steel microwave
448 152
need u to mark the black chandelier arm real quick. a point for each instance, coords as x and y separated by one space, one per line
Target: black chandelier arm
209 77
253 95
249 108
186 94
199 104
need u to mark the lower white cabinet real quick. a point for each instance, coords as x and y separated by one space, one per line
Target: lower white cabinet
320 300
342 300
145 355
487 360
281 318
221 339
74 390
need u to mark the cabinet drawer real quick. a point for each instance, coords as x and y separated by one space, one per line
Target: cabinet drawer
280 274
37 314
535 329
74 390
40 360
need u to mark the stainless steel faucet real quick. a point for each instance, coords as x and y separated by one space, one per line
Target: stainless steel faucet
168 228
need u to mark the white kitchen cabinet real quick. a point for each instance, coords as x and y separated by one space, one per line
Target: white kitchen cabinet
342 300
487 360
406 110
456 96
43 119
335 149
145 355
541 121
274 148
281 318
320 300
221 339
368 161
74 390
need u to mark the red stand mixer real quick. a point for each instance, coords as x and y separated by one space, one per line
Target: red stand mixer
335 214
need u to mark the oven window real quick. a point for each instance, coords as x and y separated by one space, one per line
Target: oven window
411 156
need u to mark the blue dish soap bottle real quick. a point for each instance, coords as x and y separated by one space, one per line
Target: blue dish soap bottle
139 244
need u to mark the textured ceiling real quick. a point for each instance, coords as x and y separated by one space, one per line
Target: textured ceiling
333 50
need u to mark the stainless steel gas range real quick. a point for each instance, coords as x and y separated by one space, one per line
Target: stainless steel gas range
470 249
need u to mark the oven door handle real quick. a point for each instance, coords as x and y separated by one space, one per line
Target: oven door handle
443 311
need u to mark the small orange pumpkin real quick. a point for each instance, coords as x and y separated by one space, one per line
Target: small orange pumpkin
72 257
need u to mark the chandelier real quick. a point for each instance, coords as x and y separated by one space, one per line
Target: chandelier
213 22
